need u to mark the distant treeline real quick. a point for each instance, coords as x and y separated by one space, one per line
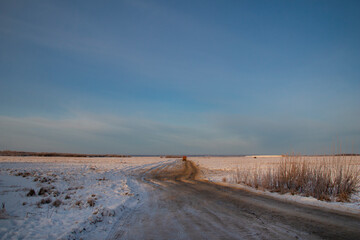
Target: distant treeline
172 156
197 155
324 155
347 154
53 154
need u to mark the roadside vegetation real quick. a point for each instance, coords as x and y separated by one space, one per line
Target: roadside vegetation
328 178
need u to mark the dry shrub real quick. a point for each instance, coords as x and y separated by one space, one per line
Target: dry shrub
57 203
91 202
3 213
327 178
31 193
55 193
42 191
23 174
45 201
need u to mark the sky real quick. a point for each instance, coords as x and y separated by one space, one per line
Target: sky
180 77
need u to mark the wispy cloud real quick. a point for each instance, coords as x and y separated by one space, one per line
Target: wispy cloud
281 134
90 133
226 135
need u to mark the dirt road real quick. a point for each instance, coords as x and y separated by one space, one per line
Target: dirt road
179 206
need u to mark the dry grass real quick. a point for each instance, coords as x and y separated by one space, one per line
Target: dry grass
57 203
326 178
91 202
46 200
31 193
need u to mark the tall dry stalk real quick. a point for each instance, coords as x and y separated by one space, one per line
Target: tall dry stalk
326 178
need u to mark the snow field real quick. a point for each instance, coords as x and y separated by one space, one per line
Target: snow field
70 199
84 198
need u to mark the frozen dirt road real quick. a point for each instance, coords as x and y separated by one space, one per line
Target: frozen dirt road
179 206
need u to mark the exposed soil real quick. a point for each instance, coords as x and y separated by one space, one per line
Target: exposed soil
180 206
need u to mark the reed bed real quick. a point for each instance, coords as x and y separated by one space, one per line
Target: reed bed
329 178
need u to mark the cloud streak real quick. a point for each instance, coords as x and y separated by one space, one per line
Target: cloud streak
111 134
89 133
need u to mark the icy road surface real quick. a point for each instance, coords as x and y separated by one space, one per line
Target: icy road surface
180 206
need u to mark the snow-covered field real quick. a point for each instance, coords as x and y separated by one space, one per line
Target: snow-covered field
71 198
76 198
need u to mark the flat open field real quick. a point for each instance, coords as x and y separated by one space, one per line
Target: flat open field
160 198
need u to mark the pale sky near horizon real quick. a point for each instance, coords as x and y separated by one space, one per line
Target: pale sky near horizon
180 77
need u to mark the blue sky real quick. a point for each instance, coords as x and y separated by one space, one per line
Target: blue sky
179 77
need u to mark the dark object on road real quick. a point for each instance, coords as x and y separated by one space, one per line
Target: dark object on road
184 158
